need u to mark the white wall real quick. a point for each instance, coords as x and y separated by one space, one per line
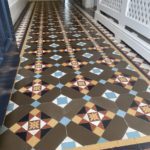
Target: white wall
16 8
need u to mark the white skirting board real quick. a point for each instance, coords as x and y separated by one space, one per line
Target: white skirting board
137 44
16 8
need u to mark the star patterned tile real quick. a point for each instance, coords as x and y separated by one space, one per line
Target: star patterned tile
94 118
122 80
33 127
36 89
81 84
140 108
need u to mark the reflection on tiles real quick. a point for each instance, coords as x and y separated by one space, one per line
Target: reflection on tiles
72 88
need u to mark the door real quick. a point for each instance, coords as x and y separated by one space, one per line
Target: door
6 28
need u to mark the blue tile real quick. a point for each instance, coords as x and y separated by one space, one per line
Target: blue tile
132 92
59 85
133 135
121 113
36 104
65 121
87 97
102 81
38 76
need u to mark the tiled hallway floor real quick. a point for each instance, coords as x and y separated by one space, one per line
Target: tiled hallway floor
74 88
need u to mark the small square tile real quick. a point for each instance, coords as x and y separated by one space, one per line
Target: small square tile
114 69
38 76
91 62
121 113
57 65
59 85
87 97
35 104
102 81
65 121
78 72
132 92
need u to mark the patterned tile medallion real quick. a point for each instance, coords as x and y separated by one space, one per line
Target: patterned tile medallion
140 108
36 89
94 118
33 127
81 84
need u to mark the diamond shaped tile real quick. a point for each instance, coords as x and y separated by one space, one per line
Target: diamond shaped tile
56 57
87 55
81 44
96 71
54 45
58 74
62 101
77 35
110 95
53 36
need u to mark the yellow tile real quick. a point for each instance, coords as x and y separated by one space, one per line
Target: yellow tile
89 105
50 86
110 114
98 131
131 112
69 84
128 87
22 90
111 80
36 97
84 91
33 141
15 128
94 82
34 111
52 123
139 99
77 119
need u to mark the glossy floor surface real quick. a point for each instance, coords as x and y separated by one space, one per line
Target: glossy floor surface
73 87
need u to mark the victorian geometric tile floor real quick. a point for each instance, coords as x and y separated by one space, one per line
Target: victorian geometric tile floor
74 88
